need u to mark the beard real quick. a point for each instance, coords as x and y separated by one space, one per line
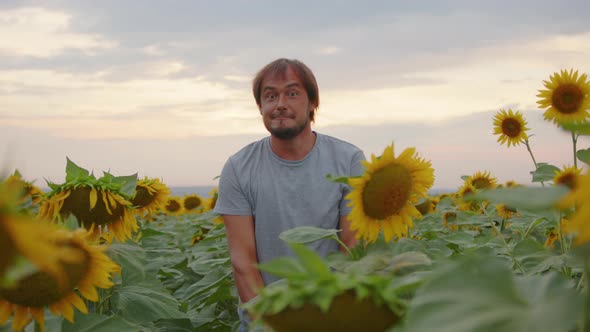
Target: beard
287 133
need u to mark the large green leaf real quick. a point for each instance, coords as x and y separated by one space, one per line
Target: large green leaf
307 234
132 260
544 172
98 323
584 155
311 261
146 302
127 184
482 294
535 258
284 267
528 198
74 172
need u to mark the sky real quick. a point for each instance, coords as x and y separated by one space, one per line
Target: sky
163 88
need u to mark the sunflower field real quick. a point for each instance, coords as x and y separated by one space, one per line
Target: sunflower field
122 253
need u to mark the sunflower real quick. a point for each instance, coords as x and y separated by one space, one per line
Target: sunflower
505 212
464 191
192 202
511 127
449 219
150 195
105 212
552 236
210 202
173 206
568 176
482 180
384 197
512 184
33 293
566 98
20 237
425 207
26 189
578 224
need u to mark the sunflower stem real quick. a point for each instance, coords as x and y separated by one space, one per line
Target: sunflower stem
528 147
344 246
499 233
575 141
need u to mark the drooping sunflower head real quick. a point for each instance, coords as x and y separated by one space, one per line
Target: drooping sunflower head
384 197
102 205
192 202
173 206
25 189
150 195
567 176
566 97
505 212
482 180
39 290
426 206
511 127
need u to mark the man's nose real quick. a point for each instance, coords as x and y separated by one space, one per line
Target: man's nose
282 102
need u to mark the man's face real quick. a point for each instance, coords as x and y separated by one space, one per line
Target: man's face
284 105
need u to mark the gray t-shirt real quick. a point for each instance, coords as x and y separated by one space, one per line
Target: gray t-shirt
282 194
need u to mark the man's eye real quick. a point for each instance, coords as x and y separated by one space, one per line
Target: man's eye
270 96
292 93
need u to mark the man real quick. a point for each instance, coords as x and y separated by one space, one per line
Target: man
279 182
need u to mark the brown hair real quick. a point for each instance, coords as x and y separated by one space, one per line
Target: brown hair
303 72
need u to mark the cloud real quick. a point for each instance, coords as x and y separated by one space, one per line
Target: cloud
37 32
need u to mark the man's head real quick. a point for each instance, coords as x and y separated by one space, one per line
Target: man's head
279 69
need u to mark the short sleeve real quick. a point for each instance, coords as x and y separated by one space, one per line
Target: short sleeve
356 169
232 199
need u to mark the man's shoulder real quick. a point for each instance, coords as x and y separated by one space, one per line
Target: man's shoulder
338 144
251 151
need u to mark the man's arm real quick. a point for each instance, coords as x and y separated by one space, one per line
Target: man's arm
347 235
242 251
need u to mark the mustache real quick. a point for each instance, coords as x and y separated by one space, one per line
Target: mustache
280 113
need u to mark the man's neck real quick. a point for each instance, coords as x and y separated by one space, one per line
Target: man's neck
295 148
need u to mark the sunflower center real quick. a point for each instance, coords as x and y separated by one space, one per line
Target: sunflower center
7 248
567 98
481 183
142 197
567 179
172 206
78 204
192 202
41 289
387 192
511 127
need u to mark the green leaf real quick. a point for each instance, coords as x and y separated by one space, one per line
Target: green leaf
284 267
482 294
337 179
127 184
74 172
311 261
544 172
307 234
578 128
535 258
146 302
584 155
98 323
71 222
527 198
